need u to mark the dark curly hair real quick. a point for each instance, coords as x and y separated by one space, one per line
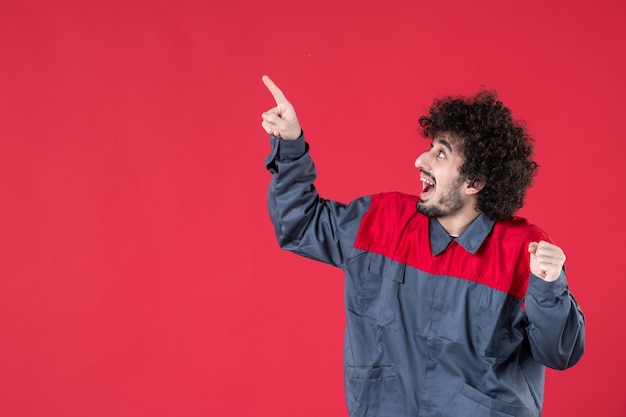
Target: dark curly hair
496 148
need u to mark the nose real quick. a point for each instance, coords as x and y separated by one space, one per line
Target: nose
422 161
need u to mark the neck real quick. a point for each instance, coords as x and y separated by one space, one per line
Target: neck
456 223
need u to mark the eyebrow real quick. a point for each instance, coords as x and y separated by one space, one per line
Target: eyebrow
445 143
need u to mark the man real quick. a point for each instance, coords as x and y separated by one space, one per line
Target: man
454 306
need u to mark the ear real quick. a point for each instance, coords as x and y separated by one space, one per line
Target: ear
474 185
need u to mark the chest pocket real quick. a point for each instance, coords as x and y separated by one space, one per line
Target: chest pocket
495 333
378 289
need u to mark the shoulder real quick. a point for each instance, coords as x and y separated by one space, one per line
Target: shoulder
388 216
394 201
519 229
392 207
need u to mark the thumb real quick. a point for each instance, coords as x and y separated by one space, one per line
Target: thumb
532 247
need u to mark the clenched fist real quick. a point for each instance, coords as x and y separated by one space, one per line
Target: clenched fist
546 260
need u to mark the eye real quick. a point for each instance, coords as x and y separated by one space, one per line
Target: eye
441 155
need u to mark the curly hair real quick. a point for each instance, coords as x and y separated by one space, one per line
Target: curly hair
496 149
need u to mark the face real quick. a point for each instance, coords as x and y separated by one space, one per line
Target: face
442 186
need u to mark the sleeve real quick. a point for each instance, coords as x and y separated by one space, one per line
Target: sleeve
305 223
556 324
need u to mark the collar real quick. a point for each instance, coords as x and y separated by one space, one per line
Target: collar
470 239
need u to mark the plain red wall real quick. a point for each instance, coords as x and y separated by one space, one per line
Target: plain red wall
139 275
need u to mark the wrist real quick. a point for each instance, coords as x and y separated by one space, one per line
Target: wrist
297 134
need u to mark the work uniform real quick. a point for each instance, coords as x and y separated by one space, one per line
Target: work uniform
436 325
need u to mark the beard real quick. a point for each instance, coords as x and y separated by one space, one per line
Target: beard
449 203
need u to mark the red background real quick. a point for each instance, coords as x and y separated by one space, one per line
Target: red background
139 271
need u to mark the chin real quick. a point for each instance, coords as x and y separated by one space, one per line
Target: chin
426 210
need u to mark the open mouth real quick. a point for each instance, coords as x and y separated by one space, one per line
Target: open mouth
428 186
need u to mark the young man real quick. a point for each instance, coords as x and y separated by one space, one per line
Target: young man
454 307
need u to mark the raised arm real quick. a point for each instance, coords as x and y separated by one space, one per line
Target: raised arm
305 223
556 327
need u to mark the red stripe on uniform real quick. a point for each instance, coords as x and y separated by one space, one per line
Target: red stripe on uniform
392 227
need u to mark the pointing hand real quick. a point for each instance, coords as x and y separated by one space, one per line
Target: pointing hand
280 121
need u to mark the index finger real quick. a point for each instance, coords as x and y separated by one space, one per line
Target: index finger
278 95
